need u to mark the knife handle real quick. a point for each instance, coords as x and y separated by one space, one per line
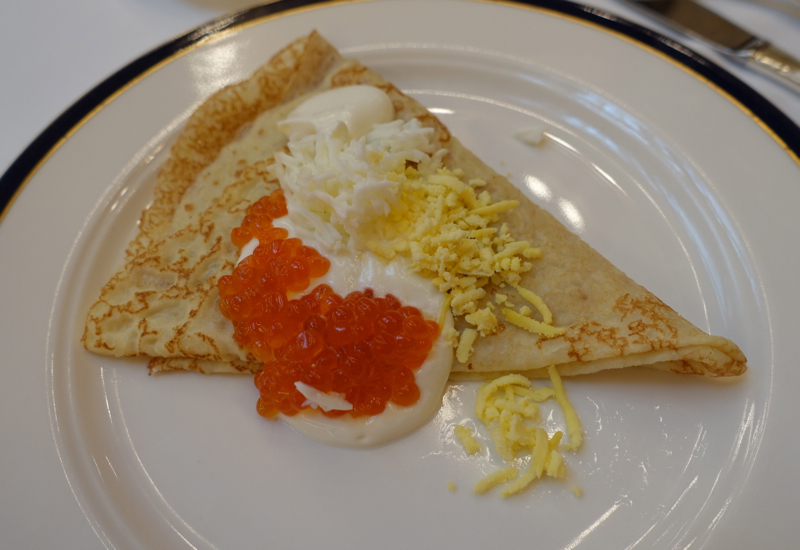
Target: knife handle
772 62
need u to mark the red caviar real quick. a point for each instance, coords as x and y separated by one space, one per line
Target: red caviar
362 346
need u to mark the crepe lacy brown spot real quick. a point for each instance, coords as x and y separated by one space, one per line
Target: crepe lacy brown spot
590 340
165 364
652 326
355 74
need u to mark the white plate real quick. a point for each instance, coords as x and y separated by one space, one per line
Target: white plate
673 179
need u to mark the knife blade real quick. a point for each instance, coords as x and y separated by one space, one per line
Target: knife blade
734 42
789 7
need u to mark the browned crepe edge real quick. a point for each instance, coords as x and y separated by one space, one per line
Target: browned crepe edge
166 364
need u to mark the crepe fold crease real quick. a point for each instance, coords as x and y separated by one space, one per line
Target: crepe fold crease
163 302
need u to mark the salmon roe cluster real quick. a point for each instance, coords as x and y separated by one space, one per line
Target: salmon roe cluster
363 347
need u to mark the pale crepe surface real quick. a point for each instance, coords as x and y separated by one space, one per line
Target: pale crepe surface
163 303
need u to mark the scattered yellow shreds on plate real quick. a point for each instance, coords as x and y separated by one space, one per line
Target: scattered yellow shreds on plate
495 478
508 406
467 439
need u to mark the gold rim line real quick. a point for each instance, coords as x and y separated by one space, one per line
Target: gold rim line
218 35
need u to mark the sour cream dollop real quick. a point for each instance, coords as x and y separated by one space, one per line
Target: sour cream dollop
358 107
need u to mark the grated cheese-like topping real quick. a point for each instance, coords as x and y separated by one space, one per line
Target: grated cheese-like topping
495 478
464 349
508 406
537 302
442 225
573 424
464 435
532 325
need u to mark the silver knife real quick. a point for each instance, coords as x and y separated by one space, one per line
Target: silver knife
693 19
789 7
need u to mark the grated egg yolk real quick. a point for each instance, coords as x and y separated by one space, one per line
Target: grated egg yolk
443 226
508 406
464 435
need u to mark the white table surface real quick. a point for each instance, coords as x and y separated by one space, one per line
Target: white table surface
54 51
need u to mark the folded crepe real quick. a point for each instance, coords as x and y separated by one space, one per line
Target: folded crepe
163 302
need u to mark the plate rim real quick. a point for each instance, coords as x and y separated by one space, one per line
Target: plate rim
777 124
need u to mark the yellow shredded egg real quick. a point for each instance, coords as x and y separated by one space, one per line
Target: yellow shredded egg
532 325
451 336
538 303
451 486
508 406
574 428
484 320
464 434
495 478
493 209
539 458
464 349
443 227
